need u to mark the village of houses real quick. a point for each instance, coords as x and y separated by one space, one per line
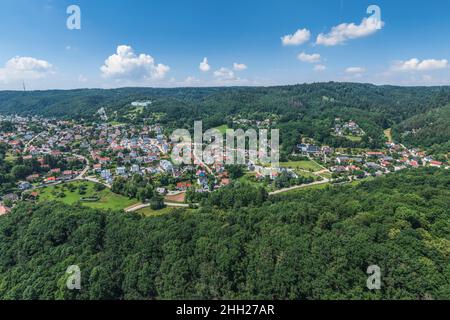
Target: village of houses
101 152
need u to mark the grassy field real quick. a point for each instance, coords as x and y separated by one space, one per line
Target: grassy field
306 174
350 137
354 150
353 138
303 165
249 177
355 183
115 123
9 157
107 199
149 212
223 128
325 185
325 175
313 187
134 112
388 134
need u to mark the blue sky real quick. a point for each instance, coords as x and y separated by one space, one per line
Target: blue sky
162 43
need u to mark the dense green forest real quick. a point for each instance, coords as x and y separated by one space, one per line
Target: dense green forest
389 102
6 176
430 129
310 244
298 110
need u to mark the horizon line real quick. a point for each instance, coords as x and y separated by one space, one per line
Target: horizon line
229 87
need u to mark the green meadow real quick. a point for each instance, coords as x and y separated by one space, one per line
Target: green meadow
74 192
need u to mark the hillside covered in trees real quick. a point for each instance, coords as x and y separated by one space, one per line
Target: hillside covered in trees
311 244
307 109
430 129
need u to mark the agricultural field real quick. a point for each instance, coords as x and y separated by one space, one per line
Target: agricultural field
74 192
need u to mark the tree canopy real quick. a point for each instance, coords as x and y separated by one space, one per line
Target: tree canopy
309 244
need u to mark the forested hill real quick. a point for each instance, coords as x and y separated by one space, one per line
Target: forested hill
429 129
299 110
314 244
395 103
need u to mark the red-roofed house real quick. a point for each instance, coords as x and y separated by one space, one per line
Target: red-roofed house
104 160
385 163
183 185
4 210
50 180
414 163
435 163
15 143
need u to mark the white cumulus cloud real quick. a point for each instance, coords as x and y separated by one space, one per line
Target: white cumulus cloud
224 74
204 66
418 65
191 81
310 58
299 37
24 68
354 70
239 66
346 31
125 64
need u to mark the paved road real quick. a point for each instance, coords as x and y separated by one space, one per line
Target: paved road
145 205
86 169
92 179
299 187
29 142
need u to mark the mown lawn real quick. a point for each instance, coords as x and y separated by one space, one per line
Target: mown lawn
303 165
354 138
70 195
